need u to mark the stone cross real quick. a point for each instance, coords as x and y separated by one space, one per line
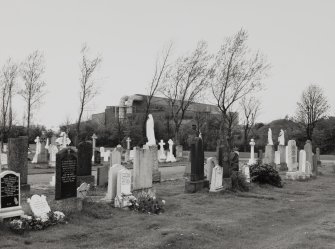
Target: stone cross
252 152
94 138
128 143
161 144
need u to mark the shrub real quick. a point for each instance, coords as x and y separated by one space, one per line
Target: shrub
147 204
265 174
239 182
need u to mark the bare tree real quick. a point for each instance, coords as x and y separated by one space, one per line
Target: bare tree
161 66
184 83
250 108
8 76
312 107
237 73
31 71
88 86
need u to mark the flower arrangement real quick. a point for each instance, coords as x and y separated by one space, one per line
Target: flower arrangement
147 204
26 222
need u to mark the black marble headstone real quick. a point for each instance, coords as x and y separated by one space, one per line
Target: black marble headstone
84 158
197 160
97 157
10 193
66 174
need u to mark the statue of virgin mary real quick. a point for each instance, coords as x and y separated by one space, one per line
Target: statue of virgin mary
150 131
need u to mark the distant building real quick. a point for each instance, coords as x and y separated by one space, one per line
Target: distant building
133 108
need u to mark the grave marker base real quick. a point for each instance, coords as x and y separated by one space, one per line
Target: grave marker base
11 212
195 186
25 187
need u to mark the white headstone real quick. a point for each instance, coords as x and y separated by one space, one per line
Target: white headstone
102 150
292 160
131 155
246 171
82 190
252 152
216 183
161 152
150 131
170 157
53 181
128 143
270 141
39 206
53 150
123 182
210 164
281 138
94 138
106 155
277 157
112 181
302 161
38 149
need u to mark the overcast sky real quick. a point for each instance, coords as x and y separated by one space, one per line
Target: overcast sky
297 37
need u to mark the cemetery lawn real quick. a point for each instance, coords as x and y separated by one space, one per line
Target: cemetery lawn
300 215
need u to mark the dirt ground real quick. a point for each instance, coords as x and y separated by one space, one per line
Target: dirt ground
300 215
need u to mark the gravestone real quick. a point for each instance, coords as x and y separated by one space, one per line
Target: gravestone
179 151
252 152
210 164
97 157
37 149
123 192
260 156
216 184
196 181
106 155
318 158
156 174
161 152
170 156
282 152
292 157
53 150
112 182
277 157
115 157
82 190
39 206
142 169
269 157
66 174
18 159
315 166
302 161
43 155
84 169
309 152
94 138
10 196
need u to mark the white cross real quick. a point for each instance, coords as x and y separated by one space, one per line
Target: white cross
128 143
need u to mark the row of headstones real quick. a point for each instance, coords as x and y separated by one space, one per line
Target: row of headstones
215 174
303 166
46 152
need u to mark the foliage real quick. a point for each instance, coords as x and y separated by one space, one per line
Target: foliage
35 223
239 182
265 174
147 204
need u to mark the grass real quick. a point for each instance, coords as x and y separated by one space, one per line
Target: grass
300 215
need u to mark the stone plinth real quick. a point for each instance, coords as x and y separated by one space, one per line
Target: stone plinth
194 186
156 174
269 157
18 159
